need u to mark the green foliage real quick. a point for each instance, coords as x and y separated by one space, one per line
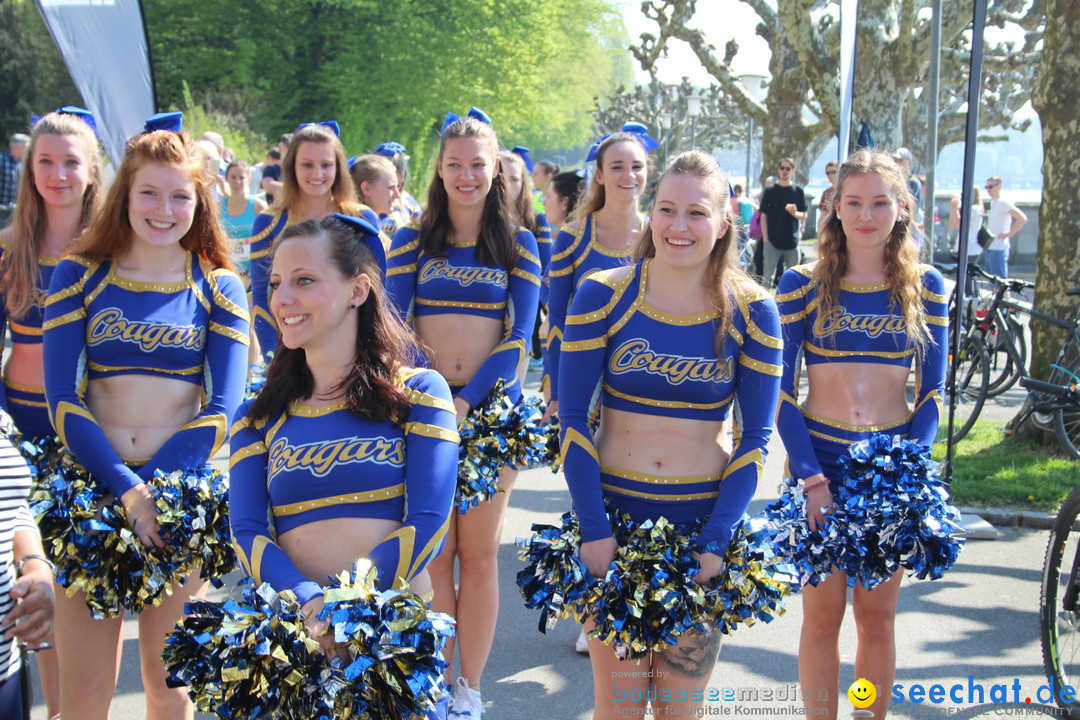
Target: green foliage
391 71
33 79
233 128
992 469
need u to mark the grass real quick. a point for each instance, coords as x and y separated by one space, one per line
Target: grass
992 469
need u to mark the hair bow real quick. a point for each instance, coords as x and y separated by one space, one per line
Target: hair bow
634 128
165 121
85 115
523 152
474 112
328 124
389 149
351 161
369 234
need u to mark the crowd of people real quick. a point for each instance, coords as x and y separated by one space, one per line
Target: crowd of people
386 325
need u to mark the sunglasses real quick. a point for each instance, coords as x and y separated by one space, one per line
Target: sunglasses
991 186
830 172
786 167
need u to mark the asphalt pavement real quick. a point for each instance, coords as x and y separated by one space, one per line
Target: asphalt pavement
976 628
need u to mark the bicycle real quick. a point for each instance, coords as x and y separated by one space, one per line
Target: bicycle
995 324
1059 603
969 373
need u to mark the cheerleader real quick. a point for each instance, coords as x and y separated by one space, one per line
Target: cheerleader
315 182
469 282
861 314
341 413
59 190
147 307
601 233
377 187
406 208
668 345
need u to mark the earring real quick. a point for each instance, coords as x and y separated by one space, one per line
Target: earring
352 306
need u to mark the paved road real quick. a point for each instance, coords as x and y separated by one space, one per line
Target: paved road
981 620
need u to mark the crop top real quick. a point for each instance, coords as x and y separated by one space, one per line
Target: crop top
574 256
27 329
317 463
861 328
420 285
99 325
625 354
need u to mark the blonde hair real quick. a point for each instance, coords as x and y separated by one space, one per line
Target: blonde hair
367 169
724 275
341 190
902 273
19 274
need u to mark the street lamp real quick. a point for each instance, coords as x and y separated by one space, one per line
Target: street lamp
693 109
665 124
752 83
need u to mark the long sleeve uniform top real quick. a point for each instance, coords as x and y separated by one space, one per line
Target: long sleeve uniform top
99 324
622 353
27 329
863 327
459 283
315 463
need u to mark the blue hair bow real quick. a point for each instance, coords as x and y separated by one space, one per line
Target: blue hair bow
329 124
634 128
474 112
351 161
389 149
85 115
369 234
165 121
523 152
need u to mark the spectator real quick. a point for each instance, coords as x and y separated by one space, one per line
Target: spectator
825 205
906 161
212 161
783 208
744 208
1004 221
541 175
10 168
271 182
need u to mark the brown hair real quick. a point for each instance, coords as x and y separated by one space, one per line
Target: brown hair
19 275
341 190
496 245
383 342
521 207
901 251
724 274
109 233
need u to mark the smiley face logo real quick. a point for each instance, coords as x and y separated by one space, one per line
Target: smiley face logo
862 693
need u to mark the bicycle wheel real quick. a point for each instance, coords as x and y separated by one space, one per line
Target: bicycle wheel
1059 615
972 379
1067 419
1004 372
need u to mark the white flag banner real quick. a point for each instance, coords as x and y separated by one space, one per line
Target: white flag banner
849 18
104 45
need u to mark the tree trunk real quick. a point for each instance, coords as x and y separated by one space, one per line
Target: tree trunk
1056 97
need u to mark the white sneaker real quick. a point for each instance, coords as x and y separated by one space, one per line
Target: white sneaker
466 702
582 643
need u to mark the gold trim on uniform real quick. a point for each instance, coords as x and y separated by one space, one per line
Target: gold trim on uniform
667 403
661 480
431 431
393 491
854 428
756 365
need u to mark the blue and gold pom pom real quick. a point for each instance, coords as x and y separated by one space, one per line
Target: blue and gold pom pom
86 535
649 596
890 512
499 433
256 658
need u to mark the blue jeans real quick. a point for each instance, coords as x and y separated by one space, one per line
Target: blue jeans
997 262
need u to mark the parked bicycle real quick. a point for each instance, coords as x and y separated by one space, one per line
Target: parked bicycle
1059 604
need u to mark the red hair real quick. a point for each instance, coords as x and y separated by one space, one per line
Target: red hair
110 235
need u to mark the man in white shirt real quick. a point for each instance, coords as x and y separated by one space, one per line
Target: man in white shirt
1004 221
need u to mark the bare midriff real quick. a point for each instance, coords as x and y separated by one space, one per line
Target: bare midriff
460 343
139 413
663 446
859 394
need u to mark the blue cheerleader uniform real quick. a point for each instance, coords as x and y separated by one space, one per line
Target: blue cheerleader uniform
308 463
420 284
622 353
865 328
99 325
574 256
26 404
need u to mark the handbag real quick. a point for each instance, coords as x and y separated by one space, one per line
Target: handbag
984 238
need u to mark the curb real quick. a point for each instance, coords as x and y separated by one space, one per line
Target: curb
1005 517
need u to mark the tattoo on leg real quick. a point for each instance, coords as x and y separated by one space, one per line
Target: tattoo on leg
694 656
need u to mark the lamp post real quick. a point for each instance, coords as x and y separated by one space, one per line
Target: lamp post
752 83
665 124
693 109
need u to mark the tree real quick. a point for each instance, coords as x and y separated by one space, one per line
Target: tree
802 109
391 71
719 123
33 78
